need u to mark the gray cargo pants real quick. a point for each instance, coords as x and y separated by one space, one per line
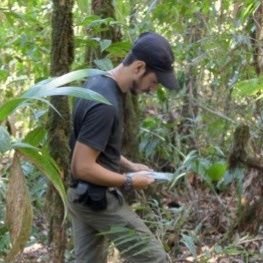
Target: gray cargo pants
92 248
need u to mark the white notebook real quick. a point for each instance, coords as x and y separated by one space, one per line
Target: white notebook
159 176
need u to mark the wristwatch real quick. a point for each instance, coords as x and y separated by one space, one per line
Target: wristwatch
128 185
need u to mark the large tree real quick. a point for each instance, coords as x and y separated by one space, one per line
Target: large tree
62 54
106 9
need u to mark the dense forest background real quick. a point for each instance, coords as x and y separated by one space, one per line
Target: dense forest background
209 133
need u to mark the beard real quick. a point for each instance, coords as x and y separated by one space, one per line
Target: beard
134 89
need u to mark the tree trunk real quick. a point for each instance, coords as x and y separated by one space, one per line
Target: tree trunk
249 212
104 9
258 62
189 109
252 213
130 140
62 55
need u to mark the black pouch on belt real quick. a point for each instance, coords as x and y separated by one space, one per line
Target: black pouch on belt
91 195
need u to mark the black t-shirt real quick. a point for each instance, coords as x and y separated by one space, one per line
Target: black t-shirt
99 125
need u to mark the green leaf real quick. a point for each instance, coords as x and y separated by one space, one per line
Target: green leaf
139 245
228 178
250 8
248 87
119 49
104 64
62 80
18 145
189 243
50 88
5 140
8 107
83 5
89 19
126 239
162 94
215 126
218 249
3 74
114 230
141 251
100 22
176 179
36 136
191 157
216 171
46 102
4 239
104 44
44 162
69 91
132 240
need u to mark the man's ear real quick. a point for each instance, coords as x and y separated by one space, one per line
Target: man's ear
139 67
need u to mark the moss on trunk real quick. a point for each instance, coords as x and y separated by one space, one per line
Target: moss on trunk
62 55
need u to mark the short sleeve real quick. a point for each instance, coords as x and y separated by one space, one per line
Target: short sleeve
97 125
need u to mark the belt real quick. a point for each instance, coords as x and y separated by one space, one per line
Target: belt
75 184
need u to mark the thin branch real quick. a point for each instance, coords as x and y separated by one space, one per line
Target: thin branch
219 114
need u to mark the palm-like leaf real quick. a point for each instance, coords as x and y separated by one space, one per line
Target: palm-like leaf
45 163
50 88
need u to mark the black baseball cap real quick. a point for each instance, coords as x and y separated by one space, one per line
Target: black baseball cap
156 52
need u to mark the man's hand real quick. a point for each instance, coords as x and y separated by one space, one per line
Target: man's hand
133 167
142 179
137 167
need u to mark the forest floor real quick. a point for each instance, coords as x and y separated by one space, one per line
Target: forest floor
194 222
194 225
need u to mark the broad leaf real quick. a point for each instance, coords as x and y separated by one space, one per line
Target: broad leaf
216 171
119 49
100 22
19 210
104 44
18 145
130 240
44 162
8 107
249 87
36 136
5 140
61 81
69 91
47 88
104 64
83 6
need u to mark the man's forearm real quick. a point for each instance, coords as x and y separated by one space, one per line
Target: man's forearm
97 174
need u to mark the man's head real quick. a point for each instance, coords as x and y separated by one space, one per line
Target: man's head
151 59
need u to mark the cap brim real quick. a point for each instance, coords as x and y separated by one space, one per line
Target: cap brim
167 79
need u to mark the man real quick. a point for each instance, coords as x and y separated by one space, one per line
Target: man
95 203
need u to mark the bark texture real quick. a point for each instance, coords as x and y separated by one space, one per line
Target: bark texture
257 40
104 9
190 109
250 211
62 55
